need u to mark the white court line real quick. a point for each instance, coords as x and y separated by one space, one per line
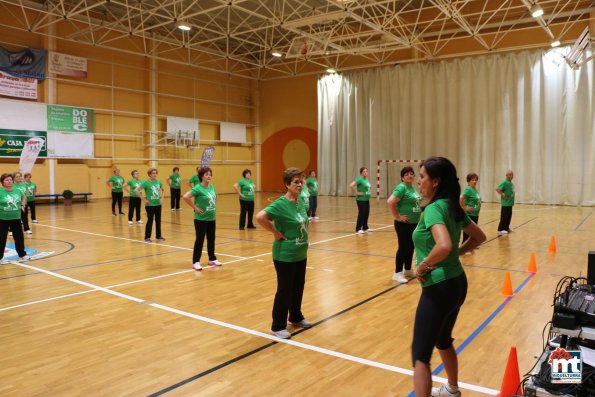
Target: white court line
133 240
249 331
157 277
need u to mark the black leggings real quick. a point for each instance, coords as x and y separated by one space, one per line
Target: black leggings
117 197
405 249
133 205
363 212
153 212
436 314
313 206
175 198
24 219
474 219
30 204
246 209
202 229
291 278
17 234
505 218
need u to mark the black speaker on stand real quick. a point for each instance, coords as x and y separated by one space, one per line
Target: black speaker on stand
591 268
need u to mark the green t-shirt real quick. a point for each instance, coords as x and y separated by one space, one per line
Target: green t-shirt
507 187
247 189
21 187
312 185
194 180
206 199
134 183
117 183
10 204
304 199
175 181
30 190
292 221
434 214
471 198
409 200
363 185
152 192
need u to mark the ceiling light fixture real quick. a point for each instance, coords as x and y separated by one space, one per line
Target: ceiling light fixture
276 54
185 26
331 71
555 43
536 11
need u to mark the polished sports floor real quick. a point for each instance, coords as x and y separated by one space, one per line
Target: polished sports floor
106 314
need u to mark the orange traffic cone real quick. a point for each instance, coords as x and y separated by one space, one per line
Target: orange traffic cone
512 377
532 264
507 287
553 248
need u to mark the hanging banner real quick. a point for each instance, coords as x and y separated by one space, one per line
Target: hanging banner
17 87
29 63
70 119
68 65
12 142
207 155
29 153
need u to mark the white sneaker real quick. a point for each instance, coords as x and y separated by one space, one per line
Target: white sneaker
34 221
28 232
215 263
400 278
502 232
442 391
409 273
4 261
368 230
283 334
24 258
10 234
139 222
173 209
360 232
316 218
310 218
179 209
130 222
197 266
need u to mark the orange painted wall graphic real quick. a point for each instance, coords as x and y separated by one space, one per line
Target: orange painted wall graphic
289 147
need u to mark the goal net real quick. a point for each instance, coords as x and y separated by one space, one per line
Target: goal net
388 175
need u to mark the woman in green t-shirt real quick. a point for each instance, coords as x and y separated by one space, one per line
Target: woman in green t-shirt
444 284
12 202
245 188
30 193
203 200
115 183
287 220
19 184
154 192
175 189
361 188
134 199
404 205
312 185
471 200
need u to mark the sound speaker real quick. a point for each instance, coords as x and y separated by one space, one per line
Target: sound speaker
591 268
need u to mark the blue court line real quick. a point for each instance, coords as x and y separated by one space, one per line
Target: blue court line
584 220
481 327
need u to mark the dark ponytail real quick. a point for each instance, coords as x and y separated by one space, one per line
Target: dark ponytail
448 188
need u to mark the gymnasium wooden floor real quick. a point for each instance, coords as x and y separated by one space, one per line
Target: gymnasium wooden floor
108 315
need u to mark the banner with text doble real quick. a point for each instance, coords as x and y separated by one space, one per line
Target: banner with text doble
70 119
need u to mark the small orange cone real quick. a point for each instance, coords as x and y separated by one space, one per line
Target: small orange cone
532 264
553 248
512 377
507 287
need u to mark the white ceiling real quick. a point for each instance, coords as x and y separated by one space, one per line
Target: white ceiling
237 36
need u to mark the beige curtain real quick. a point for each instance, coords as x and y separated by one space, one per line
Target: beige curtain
487 114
